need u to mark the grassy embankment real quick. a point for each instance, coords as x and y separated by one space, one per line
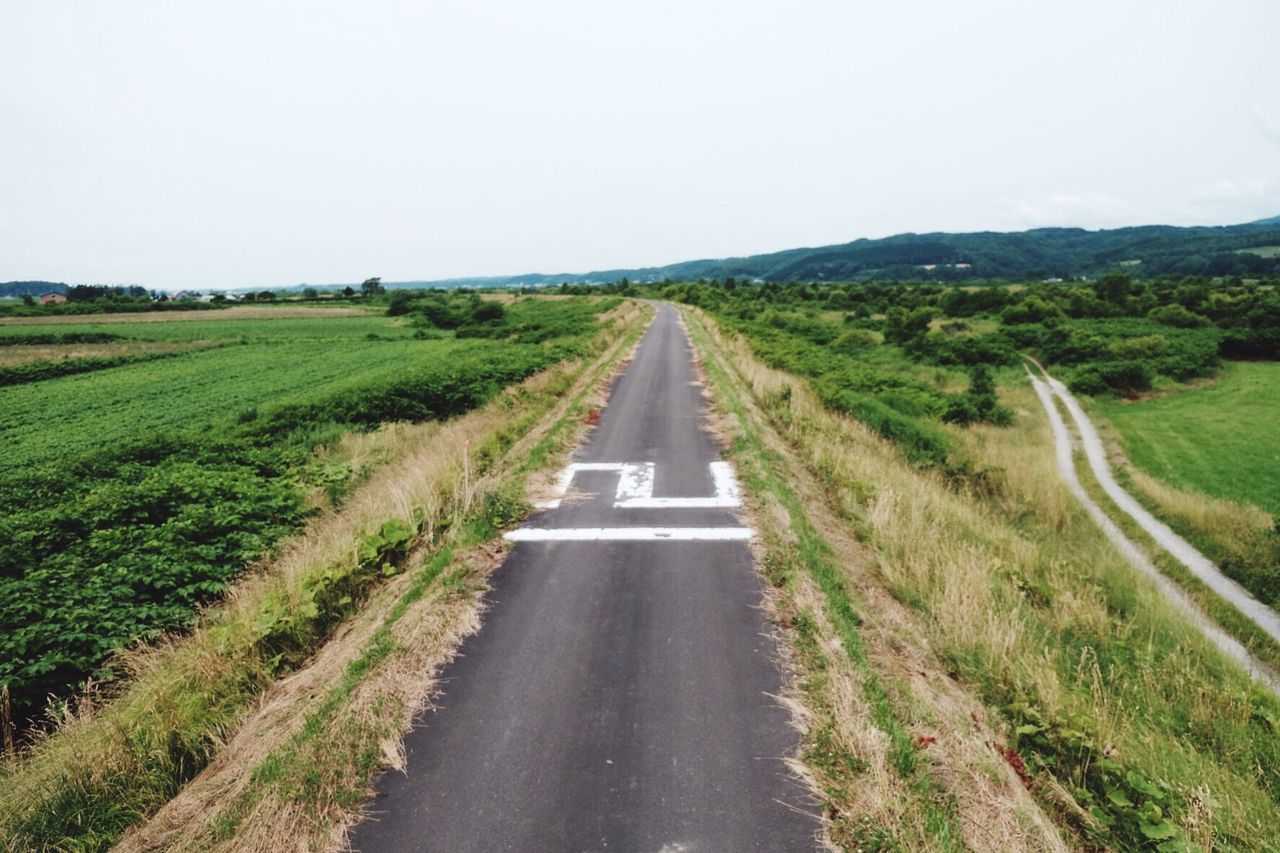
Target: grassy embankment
891 742
107 767
1134 731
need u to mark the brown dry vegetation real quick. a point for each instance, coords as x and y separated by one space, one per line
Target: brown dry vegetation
1001 591
966 794
238 312
10 356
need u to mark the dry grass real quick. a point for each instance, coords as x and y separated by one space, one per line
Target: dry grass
238 312
414 624
10 356
992 809
1231 519
1005 591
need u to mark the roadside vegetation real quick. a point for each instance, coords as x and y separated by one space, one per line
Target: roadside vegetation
1127 725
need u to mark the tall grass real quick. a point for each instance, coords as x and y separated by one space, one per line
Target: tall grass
1114 697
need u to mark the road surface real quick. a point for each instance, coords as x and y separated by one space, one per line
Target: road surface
620 694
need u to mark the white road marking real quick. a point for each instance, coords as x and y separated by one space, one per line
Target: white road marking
636 482
629 534
635 487
727 495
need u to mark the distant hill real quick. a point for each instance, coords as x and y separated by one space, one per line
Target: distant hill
15 289
1039 253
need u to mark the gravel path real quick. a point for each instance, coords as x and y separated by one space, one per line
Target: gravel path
1172 591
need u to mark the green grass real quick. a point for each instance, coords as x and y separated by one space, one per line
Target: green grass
1222 438
63 417
130 495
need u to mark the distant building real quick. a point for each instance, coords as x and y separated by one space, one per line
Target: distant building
52 296
179 295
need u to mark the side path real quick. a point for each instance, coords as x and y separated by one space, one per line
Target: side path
620 694
1045 390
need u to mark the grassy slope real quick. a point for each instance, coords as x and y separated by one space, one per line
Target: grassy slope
1116 698
1221 438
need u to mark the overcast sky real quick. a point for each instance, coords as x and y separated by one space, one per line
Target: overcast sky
183 144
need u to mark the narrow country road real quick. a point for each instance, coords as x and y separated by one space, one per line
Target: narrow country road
620 695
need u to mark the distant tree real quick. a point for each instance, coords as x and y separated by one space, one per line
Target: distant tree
1113 287
372 287
901 326
266 296
310 294
348 291
488 312
399 303
28 299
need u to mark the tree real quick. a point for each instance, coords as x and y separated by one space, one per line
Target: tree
1113 287
372 287
310 294
348 291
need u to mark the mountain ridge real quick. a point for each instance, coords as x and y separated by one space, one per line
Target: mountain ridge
1062 252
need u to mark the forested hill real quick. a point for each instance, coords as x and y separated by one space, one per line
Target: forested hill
1249 249
13 289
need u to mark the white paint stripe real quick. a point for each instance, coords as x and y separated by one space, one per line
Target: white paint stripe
676 503
726 482
635 487
629 534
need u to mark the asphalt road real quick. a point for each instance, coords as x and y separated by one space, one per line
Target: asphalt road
619 694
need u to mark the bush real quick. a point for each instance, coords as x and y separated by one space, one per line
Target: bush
1177 316
1125 377
855 341
1032 309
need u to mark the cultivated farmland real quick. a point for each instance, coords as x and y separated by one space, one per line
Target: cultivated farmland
134 491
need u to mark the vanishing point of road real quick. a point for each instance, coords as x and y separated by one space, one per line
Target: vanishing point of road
621 693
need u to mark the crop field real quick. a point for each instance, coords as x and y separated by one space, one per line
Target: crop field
134 491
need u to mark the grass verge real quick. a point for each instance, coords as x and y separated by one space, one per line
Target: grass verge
1129 728
900 762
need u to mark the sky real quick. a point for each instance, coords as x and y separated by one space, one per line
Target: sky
233 144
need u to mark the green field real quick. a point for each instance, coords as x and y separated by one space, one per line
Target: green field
134 492
1221 438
